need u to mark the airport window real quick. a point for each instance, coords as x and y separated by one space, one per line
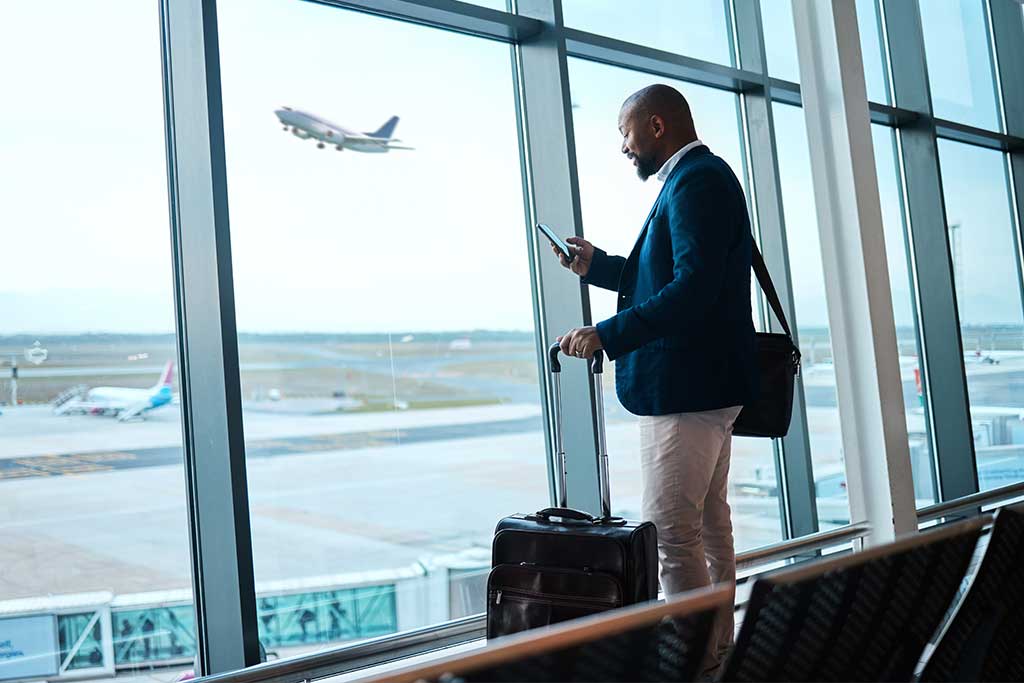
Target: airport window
960 70
614 205
988 296
808 278
387 346
780 40
781 53
872 51
904 314
91 476
697 28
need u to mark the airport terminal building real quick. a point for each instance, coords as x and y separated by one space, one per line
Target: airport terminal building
275 321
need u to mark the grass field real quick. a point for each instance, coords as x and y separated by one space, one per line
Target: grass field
425 371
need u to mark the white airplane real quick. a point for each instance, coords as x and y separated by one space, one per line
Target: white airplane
123 402
305 126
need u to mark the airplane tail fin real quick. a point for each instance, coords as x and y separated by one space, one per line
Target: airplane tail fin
387 129
167 376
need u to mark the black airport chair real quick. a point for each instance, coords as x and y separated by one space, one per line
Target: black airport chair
648 642
861 617
982 642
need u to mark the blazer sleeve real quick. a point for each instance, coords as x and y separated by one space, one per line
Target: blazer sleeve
701 224
604 270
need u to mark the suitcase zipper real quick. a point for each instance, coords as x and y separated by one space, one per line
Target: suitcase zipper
552 598
559 570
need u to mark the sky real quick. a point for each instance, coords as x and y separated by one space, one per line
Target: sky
430 239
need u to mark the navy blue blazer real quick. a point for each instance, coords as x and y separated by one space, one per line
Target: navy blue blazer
683 338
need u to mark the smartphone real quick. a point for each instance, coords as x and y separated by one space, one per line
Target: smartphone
557 242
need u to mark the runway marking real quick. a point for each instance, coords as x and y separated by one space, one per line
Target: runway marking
56 465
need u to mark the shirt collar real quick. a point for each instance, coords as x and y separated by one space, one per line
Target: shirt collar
674 159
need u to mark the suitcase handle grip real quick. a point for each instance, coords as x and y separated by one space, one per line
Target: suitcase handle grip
578 516
565 513
596 363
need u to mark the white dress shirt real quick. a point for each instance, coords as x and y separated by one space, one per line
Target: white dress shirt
674 159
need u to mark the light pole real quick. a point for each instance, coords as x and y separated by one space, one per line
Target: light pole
14 381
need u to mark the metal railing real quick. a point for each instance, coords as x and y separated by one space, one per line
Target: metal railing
369 653
348 658
799 546
970 503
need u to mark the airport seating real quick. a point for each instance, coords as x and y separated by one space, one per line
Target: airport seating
862 617
982 640
648 642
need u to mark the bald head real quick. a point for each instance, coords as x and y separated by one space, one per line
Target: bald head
655 122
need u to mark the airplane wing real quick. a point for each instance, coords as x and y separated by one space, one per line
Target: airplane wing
133 411
367 138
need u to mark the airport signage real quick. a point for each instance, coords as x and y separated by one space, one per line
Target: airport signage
36 354
28 647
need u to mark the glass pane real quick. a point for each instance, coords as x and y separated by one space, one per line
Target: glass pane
501 5
388 358
780 39
904 313
808 277
695 28
92 492
872 52
615 203
985 269
781 53
956 41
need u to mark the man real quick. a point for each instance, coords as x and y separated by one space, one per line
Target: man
682 340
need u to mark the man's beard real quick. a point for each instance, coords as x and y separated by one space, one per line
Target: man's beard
645 167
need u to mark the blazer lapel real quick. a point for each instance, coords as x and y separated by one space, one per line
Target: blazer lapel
634 255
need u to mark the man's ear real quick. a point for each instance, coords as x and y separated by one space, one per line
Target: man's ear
657 125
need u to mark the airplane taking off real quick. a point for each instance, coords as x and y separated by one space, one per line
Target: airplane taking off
122 402
305 126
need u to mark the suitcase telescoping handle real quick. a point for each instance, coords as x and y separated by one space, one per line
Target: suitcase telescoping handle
596 374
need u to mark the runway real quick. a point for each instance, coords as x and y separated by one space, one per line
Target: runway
328 494
89 503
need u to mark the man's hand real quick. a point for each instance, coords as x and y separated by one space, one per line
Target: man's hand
580 341
583 254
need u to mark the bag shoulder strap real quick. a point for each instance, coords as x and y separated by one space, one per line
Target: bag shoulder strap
764 279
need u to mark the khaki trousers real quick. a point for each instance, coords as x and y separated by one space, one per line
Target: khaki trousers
684 466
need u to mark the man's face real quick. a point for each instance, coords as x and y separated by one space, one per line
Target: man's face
639 141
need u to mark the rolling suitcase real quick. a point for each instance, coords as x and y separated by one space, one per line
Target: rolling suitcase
560 563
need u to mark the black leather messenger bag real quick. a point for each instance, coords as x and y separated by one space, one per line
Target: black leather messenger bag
778 361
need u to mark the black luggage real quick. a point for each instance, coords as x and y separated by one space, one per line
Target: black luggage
559 563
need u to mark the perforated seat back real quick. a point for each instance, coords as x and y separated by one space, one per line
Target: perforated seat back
862 617
982 641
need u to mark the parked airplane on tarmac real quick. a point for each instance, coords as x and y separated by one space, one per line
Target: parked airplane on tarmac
123 402
305 126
